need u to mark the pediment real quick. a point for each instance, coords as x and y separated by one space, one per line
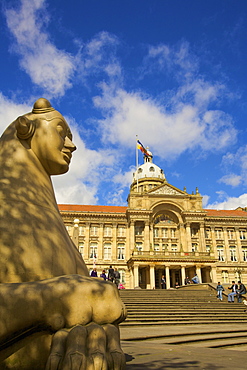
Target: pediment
166 189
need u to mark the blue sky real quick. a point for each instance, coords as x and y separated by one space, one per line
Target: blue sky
172 72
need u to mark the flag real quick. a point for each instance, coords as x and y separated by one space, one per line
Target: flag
142 148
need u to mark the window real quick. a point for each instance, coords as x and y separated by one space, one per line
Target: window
121 231
139 246
173 232
94 231
233 255
120 251
164 233
81 230
151 169
174 248
156 247
244 251
164 247
107 231
220 251
93 250
194 231
138 230
208 248
81 247
194 247
218 233
224 275
230 233
242 234
107 251
156 232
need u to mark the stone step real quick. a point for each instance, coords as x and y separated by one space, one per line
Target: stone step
179 322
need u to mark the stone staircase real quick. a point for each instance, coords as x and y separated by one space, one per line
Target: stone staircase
196 315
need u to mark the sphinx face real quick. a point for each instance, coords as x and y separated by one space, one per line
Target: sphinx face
52 144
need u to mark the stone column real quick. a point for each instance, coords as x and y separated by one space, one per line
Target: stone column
198 272
168 285
151 237
183 274
136 276
227 251
214 274
146 237
214 244
114 242
188 233
127 245
131 278
183 239
239 247
100 243
87 240
202 238
152 276
132 236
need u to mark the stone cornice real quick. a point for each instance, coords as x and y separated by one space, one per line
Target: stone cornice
89 216
172 259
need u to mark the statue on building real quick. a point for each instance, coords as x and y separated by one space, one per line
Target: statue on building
47 299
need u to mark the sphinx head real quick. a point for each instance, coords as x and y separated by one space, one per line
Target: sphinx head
48 135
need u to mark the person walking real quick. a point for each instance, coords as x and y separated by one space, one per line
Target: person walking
231 295
220 289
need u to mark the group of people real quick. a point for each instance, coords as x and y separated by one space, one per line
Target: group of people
236 290
113 276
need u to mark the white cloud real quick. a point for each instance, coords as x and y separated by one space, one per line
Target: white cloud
47 66
125 178
168 133
230 203
231 179
9 111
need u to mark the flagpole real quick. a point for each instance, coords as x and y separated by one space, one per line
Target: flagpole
136 164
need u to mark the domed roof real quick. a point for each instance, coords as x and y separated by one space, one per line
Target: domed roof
148 169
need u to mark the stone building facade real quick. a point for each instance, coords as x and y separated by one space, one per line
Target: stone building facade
162 231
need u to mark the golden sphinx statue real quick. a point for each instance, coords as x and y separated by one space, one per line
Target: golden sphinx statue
53 315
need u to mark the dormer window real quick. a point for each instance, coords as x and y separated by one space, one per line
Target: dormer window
139 170
151 169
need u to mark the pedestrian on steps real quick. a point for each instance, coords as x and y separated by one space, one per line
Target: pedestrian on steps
220 289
